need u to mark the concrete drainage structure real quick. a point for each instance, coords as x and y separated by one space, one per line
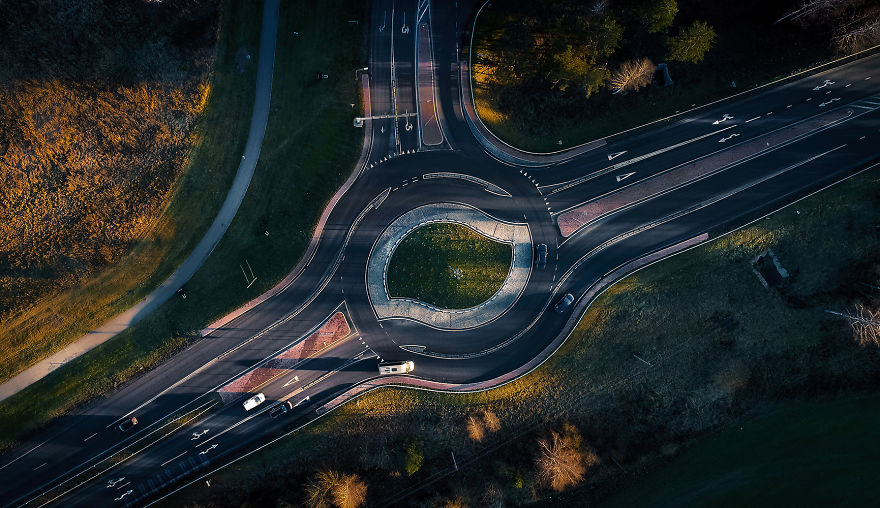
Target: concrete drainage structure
386 307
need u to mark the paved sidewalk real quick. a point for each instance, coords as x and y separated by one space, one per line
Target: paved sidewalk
167 289
386 307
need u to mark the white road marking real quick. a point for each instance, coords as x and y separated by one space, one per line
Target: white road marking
41 465
623 177
294 380
822 105
786 107
752 119
172 458
23 454
300 402
197 435
728 138
127 492
206 450
112 483
823 85
723 119
616 154
93 435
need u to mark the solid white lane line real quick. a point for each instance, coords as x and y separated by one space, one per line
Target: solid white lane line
172 458
41 465
93 435
25 453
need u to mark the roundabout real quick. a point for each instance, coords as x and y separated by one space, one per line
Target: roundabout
517 235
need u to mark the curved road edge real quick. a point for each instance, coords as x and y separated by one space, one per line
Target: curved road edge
306 258
253 145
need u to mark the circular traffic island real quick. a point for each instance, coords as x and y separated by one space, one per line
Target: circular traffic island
448 265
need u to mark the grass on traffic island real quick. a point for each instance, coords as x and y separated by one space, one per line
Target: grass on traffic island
448 265
309 150
721 346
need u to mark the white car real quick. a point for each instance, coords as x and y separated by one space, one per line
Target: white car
254 401
396 367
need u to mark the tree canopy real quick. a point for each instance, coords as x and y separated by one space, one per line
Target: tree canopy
692 43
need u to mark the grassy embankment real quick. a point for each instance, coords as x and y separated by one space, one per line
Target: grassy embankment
720 346
532 113
119 223
448 265
794 454
310 148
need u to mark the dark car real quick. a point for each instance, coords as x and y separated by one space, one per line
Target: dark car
127 424
280 409
563 303
541 258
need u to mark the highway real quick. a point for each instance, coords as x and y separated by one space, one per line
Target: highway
670 185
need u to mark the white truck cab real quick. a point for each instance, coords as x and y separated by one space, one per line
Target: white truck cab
396 367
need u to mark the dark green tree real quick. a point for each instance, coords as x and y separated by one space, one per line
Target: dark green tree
692 43
658 15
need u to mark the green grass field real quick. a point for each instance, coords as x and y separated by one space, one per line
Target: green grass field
58 319
309 150
448 265
794 454
720 345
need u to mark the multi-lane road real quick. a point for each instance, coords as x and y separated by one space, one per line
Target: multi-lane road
670 184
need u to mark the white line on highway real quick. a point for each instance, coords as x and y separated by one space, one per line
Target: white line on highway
25 453
751 119
172 458
41 465
93 435
637 159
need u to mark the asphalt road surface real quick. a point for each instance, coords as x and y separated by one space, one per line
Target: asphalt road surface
705 172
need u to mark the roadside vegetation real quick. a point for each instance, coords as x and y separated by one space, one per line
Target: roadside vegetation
593 419
448 265
310 148
118 142
550 75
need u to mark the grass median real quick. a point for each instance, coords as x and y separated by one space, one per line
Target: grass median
448 265
309 150
721 347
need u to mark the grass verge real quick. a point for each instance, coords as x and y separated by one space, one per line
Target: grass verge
59 319
719 343
448 265
309 150
803 454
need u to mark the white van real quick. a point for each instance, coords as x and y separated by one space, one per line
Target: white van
254 401
396 367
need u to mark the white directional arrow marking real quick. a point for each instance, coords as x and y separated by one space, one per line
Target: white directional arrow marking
829 102
723 118
206 450
823 85
113 483
294 380
728 138
197 435
621 178
617 154
127 492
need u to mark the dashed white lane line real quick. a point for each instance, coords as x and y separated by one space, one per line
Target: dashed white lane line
752 119
41 465
93 435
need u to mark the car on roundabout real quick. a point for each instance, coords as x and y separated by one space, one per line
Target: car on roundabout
563 303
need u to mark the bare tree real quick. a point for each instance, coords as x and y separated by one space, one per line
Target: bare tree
475 428
861 33
811 10
493 424
561 463
329 488
865 323
632 75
